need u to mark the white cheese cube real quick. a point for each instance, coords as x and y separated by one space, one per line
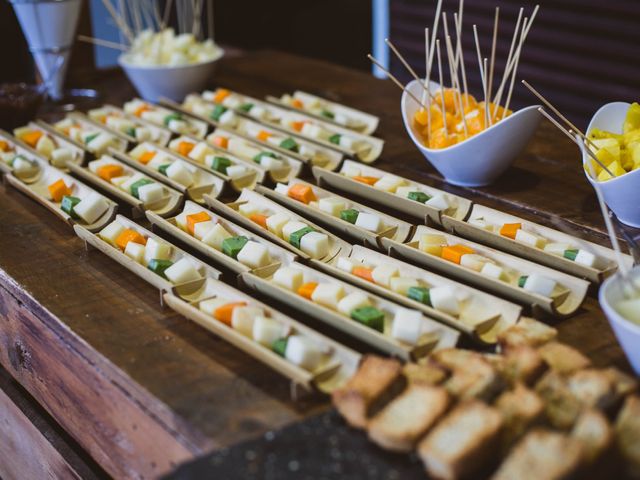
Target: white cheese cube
242 319
201 229
389 183
231 101
75 134
181 272
271 163
629 309
254 255
200 151
135 251
266 331
351 171
307 152
118 181
126 185
492 270
158 160
282 189
111 232
473 261
345 264
332 205
401 285
101 143
541 285
303 352
258 112
45 146
156 250
276 222
353 301
438 202
432 243
60 157
311 130
348 142
22 165
557 248
216 236
369 222
289 278
407 326
237 171
212 304
151 193
328 294
383 274
91 207
248 208
444 299
529 238
405 191
179 173
583 257
274 140
142 134
290 227
228 118
481 223
242 149
178 126
315 244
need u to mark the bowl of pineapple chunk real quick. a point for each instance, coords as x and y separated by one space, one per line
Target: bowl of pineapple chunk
614 134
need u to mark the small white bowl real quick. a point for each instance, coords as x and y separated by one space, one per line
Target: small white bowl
478 161
622 194
154 82
627 333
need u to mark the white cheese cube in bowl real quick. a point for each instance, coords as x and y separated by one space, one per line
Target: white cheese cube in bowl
182 271
432 243
407 326
438 202
345 264
474 261
276 222
303 352
584 258
151 193
389 183
401 285
492 270
135 251
266 331
383 274
539 284
369 221
529 238
353 301
557 248
289 278
60 157
237 171
92 207
216 236
290 227
254 255
201 229
242 319
315 244
332 205
444 299
328 294
111 232
178 172
156 250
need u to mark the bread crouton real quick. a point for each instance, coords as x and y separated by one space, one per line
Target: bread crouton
593 388
478 379
563 358
627 433
624 384
593 430
528 332
523 364
521 408
561 406
425 374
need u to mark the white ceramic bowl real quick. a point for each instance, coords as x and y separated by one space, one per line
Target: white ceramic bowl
627 333
621 194
154 82
481 159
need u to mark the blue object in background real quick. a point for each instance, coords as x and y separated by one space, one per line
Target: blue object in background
104 28
380 18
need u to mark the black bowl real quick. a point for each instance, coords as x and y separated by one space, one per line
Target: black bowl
19 103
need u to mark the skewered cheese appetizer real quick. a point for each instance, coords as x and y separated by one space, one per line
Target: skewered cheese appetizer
202 152
88 209
167 48
223 116
320 107
174 121
117 120
94 139
177 170
249 151
235 101
19 163
46 145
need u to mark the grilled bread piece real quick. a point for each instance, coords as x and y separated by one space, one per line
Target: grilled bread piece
374 384
523 364
627 432
526 332
561 405
563 358
424 374
624 384
408 417
464 442
521 408
593 430
455 358
478 380
593 388
541 454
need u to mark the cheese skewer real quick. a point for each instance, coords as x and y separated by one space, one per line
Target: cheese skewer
394 79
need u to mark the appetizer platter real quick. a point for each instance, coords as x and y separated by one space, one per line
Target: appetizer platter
17 159
332 112
418 200
54 147
477 314
90 135
351 143
544 289
237 173
130 186
354 220
402 332
536 242
281 226
162 116
65 196
220 240
135 129
186 177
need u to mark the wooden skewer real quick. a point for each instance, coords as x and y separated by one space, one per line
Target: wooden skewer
482 76
493 52
444 110
516 57
456 86
505 74
427 78
167 12
487 112
210 18
394 79
119 21
103 43
458 23
429 53
406 65
445 25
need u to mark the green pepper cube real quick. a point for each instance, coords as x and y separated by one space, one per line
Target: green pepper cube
418 197
296 237
232 246
131 132
258 157
522 280
370 317
349 215
67 204
220 164
571 254
280 346
163 168
172 116
90 137
335 138
245 107
217 112
158 266
289 144
420 294
327 114
140 183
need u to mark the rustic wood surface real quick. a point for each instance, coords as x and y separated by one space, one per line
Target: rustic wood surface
92 344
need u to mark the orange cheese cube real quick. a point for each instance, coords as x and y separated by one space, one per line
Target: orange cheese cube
31 138
263 135
141 109
259 219
4 146
184 148
221 94
297 103
225 312
454 253
196 218
297 126
58 189
108 172
364 273
146 157
129 236
302 193
307 290
222 142
367 180
510 230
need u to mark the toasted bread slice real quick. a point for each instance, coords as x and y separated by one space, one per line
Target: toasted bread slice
624 384
521 408
541 454
593 388
477 380
523 364
526 332
408 417
464 442
374 384
455 358
563 358
561 405
424 374
627 432
593 430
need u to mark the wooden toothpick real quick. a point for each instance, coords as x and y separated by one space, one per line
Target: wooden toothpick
394 79
406 64
444 110
493 52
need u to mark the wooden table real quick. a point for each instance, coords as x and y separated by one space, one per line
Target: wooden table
141 389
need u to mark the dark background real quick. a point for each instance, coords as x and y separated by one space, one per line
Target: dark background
580 53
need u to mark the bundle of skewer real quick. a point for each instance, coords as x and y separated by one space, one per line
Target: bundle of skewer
448 116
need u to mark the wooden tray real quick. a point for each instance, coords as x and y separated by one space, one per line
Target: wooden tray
278 255
436 335
161 135
483 316
460 206
467 230
562 304
395 229
200 127
230 210
25 151
79 153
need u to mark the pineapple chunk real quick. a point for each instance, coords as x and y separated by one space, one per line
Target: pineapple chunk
614 168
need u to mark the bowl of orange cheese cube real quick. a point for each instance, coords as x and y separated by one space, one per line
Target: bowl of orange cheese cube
459 142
